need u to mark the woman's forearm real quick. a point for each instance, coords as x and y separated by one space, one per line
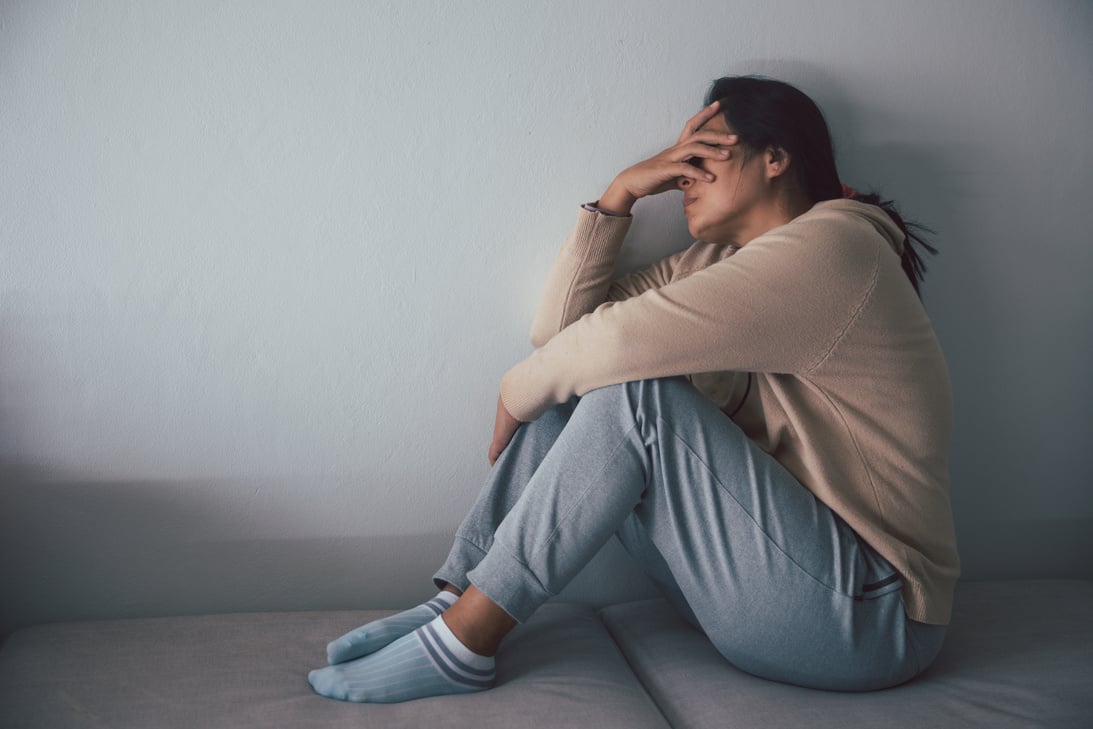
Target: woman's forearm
581 276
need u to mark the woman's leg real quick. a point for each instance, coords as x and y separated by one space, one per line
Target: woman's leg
780 584
635 540
504 485
408 636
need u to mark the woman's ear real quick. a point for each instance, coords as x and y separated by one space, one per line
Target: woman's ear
776 162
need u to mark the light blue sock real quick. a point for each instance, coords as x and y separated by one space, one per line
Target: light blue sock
427 662
370 637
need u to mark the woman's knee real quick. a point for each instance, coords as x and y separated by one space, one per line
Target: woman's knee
668 400
655 390
548 425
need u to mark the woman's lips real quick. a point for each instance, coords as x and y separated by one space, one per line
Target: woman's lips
688 200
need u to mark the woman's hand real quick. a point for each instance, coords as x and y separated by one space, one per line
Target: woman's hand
504 427
663 171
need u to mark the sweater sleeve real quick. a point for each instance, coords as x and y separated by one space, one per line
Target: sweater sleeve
779 304
580 278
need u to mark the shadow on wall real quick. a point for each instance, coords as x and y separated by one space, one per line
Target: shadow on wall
74 547
78 550
91 550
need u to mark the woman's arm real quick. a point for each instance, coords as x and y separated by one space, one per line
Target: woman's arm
581 277
579 280
780 304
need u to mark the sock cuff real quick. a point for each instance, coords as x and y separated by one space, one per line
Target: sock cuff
453 648
441 602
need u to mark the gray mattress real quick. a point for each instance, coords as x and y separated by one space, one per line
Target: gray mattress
1020 654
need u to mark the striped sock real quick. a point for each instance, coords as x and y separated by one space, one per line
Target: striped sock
427 662
370 637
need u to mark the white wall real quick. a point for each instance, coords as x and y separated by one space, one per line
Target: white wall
262 265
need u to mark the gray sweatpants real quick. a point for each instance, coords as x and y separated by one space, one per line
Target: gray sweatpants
782 587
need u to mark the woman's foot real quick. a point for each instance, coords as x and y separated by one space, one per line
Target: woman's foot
430 661
377 634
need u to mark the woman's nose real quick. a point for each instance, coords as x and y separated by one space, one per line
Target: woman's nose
684 182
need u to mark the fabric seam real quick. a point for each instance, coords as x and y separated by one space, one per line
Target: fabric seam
758 526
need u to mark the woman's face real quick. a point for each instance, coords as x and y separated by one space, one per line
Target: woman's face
728 209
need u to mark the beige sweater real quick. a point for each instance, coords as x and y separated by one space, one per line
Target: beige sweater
850 393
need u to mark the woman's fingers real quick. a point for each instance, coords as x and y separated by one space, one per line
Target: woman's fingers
663 171
656 176
700 149
695 122
504 427
692 172
712 138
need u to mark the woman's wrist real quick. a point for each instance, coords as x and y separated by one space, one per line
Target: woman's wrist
616 200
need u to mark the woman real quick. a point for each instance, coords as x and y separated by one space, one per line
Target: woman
763 420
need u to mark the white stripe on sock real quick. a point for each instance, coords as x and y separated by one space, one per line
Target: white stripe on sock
460 663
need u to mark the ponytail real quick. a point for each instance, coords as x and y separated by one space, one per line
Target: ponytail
911 259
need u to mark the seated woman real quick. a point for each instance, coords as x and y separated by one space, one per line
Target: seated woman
762 419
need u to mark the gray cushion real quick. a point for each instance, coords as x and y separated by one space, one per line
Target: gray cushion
1018 654
561 669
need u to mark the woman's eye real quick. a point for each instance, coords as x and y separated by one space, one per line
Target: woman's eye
695 162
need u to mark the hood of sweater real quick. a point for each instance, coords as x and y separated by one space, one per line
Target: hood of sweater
874 215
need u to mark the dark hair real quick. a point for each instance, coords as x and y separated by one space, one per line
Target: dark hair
772 114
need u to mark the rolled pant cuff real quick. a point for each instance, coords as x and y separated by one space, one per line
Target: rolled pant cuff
463 558
511 585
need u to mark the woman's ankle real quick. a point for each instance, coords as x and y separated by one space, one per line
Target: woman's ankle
478 622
